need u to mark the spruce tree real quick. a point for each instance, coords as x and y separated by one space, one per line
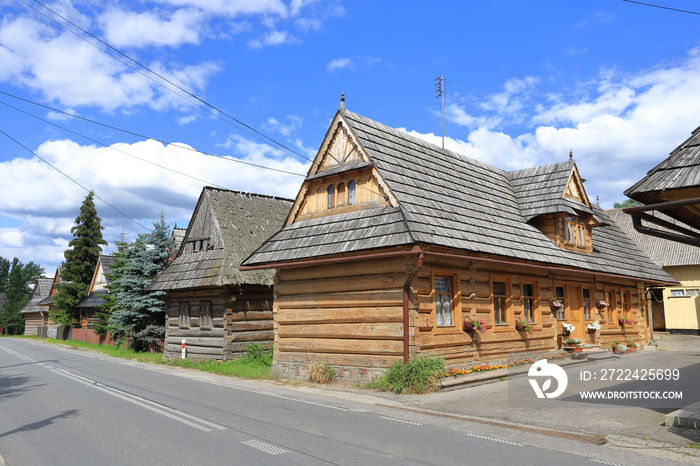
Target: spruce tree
134 310
81 259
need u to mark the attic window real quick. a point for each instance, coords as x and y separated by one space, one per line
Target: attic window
575 232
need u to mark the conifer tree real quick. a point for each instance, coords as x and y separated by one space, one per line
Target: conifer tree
133 309
81 258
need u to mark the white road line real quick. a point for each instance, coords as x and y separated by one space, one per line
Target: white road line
395 419
493 439
266 447
609 463
180 416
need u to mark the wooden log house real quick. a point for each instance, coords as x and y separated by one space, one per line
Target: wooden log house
218 309
393 243
97 290
35 316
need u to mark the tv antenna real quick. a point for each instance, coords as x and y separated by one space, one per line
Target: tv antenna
440 92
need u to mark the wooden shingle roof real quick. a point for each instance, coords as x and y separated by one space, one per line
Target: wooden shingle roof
226 227
676 178
41 291
663 252
447 199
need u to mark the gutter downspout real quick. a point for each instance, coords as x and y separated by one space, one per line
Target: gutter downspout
406 300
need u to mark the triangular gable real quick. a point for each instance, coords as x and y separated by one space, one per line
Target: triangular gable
99 280
203 232
340 152
339 147
574 188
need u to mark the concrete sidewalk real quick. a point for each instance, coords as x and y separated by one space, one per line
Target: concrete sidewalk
662 431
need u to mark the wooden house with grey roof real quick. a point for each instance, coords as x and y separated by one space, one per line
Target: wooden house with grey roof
676 308
35 316
672 188
214 306
97 291
395 247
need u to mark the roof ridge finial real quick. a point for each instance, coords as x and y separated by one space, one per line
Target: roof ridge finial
571 155
342 100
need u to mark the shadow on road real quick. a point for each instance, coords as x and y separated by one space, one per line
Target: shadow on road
40 424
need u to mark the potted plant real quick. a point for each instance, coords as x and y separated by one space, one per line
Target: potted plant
625 321
568 328
573 344
474 324
619 348
523 326
593 326
632 346
554 305
601 304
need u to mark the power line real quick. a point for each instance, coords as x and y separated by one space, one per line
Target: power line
131 133
214 110
73 180
662 7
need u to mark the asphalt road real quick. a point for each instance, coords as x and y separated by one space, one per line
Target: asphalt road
67 407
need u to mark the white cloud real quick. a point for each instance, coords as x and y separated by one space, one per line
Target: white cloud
294 123
44 203
618 127
72 72
274 39
234 8
339 64
129 28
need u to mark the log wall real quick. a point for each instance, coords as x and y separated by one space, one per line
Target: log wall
350 315
240 316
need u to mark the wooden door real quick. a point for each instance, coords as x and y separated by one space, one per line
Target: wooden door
575 316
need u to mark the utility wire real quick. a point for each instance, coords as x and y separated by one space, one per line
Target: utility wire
214 110
73 180
662 7
131 133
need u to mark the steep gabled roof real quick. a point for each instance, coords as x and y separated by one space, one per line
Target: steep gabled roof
548 189
445 199
100 278
677 178
41 291
663 252
228 225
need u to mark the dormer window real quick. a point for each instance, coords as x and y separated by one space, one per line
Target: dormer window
575 232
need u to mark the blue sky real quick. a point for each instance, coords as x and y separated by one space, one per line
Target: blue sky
615 82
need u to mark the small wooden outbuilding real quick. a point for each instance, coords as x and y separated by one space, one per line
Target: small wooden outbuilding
211 304
37 316
394 247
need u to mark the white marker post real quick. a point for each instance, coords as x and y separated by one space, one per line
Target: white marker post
184 349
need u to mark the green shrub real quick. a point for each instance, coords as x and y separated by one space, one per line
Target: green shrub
258 354
421 375
322 373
